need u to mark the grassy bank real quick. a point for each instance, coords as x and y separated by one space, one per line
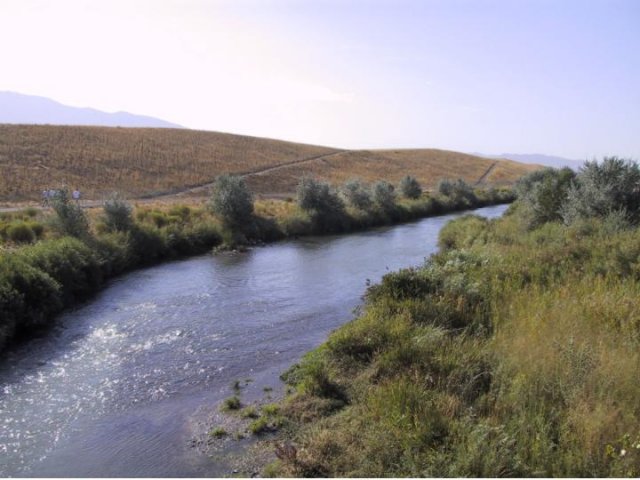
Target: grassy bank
44 269
512 352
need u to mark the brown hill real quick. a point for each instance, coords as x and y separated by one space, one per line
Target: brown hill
427 165
146 162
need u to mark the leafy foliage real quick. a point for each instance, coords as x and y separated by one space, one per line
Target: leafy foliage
231 200
317 197
384 195
70 218
357 194
603 188
117 212
544 192
410 187
459 191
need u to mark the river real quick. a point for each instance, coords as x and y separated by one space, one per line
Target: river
113 389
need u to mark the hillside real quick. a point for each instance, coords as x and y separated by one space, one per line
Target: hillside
427 165
146 161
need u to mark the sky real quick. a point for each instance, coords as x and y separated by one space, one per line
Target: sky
557 77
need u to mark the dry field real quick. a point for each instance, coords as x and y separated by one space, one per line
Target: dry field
168 163
427 165
135 161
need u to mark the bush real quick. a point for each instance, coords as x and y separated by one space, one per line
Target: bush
357 194
28 296
317 197
543 193
71 263
384 195
603 188
410 188
231 403
20 232
322 204
70 218
117 214
147 244
231 200
445 187
460 192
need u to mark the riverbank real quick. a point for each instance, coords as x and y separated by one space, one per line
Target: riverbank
512 352
39 281
123 377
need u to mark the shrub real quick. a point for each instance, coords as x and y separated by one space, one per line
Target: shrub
356 194
460 192
322 204
31 212
20 232
28 296
384 195
37 228
182 211
317 197
70 218
218 432
445 187
70 262
146 244
117 214
410 188
259 426
543 193
602 188
231 403
249 412
231 200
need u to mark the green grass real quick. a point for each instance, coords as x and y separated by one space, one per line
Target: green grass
218 432
249 412
259 426
513 352
231 403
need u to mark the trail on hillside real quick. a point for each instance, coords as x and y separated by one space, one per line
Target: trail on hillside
257 171
484 176
203 187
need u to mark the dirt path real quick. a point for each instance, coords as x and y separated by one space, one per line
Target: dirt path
486 174
259 171
202 188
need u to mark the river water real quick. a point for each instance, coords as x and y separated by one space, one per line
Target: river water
111 391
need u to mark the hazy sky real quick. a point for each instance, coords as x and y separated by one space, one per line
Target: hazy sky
557 77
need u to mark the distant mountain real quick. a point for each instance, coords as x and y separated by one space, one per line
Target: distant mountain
539 159
29 109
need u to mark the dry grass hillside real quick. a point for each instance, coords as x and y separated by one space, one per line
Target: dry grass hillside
136 161
427 165
145 162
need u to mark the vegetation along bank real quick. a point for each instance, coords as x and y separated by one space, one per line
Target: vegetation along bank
53 260
514 351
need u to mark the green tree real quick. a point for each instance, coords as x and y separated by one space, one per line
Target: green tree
70 218
543 194
357 194
117 213
601 189
410 187
231 200
384 195
317 197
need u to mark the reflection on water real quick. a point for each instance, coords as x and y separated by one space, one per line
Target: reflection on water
108 392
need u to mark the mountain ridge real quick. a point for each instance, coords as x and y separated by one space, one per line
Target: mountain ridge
22 109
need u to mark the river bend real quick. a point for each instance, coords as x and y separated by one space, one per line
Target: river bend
111 390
